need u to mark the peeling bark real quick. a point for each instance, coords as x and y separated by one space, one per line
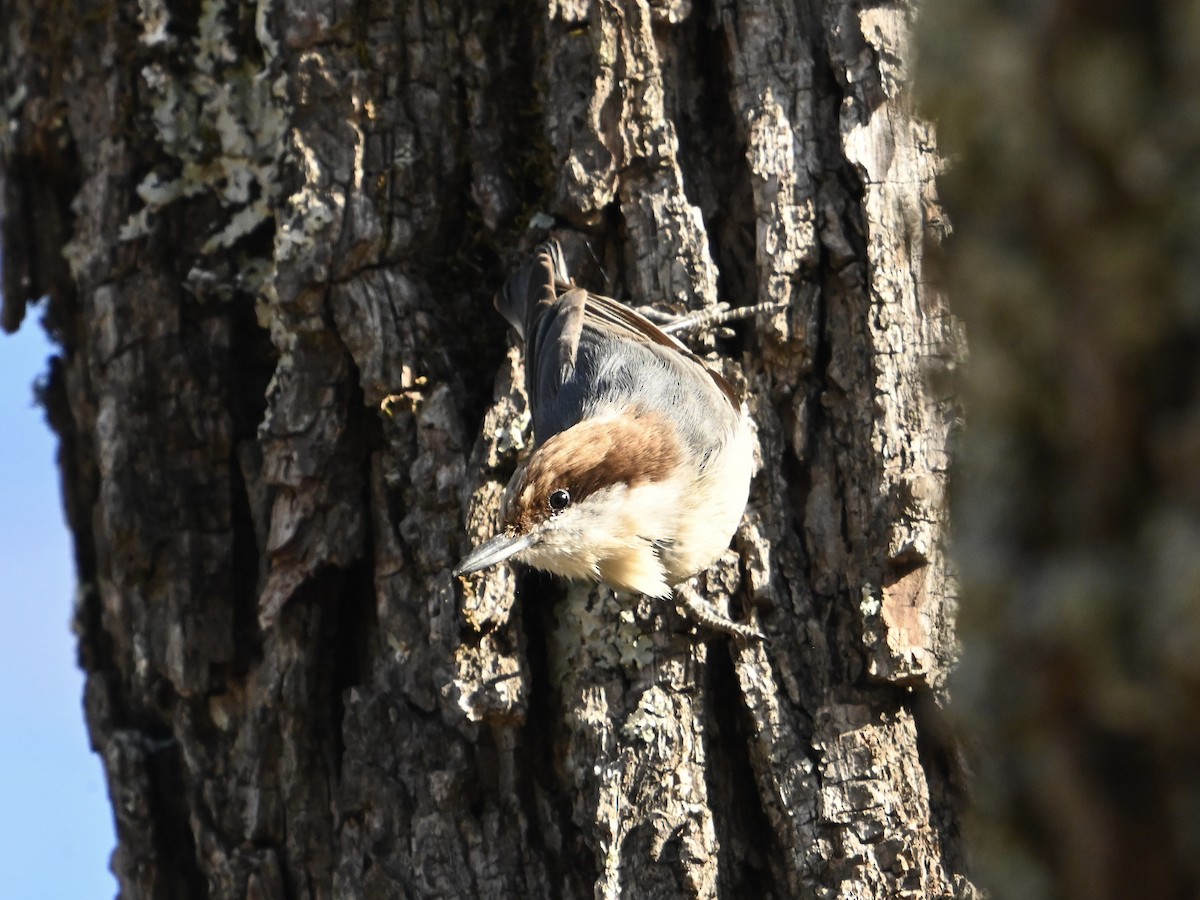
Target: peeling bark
279 218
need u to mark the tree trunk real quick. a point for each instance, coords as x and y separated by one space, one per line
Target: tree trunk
254 224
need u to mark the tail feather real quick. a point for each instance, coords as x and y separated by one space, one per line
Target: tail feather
533 287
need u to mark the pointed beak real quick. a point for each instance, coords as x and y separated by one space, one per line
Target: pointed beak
496 550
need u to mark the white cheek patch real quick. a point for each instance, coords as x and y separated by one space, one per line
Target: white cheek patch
607 536
562 548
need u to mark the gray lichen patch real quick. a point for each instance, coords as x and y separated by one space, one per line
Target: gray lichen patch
222 124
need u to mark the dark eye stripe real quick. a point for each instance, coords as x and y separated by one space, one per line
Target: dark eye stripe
560 500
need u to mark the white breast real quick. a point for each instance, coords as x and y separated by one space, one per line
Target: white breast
713 508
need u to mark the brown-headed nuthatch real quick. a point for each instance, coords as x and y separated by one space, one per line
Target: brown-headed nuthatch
643 454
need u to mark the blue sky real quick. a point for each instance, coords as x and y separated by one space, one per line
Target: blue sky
56 831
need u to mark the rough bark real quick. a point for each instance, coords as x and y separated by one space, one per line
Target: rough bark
1074 133
254 224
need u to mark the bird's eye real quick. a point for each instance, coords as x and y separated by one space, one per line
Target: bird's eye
560 500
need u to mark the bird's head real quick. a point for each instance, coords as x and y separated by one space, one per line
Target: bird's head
597 501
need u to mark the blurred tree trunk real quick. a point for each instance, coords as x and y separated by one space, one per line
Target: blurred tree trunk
255 223
1075 130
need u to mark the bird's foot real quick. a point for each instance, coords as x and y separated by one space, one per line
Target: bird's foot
702 614
708 320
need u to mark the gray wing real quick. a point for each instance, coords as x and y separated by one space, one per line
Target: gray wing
609 314
571 337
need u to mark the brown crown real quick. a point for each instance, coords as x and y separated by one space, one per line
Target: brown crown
633 449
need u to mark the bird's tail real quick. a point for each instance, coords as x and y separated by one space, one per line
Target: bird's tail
533 287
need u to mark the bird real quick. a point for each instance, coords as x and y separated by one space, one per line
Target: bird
642 455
